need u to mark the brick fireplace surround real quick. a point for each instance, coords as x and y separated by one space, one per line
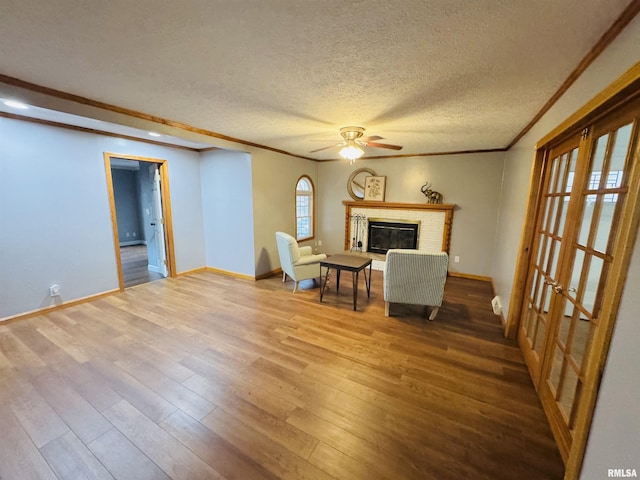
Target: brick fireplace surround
436 221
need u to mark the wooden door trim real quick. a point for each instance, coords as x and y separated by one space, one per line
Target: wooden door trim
166 211
114 221
529 355
527 241
168 219
620 90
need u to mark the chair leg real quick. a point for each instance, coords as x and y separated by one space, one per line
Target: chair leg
386 309
434 312
295 286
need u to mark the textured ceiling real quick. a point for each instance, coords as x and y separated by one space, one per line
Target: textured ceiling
431 75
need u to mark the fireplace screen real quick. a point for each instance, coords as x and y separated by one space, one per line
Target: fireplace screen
386 234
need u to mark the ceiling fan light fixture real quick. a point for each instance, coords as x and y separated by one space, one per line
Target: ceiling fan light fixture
351 151
351 147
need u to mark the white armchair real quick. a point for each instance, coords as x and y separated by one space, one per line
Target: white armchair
415 277
298 262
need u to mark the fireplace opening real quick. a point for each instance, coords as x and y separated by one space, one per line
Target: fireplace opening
385 234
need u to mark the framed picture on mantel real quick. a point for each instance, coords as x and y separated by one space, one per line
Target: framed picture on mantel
374 188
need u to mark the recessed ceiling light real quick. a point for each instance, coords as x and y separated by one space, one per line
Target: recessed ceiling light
14 104
154 134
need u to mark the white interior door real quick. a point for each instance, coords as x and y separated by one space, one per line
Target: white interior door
157 221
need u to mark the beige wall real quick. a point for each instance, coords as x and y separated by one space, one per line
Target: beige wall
470 181
274 186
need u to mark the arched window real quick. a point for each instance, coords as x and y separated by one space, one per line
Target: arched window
304 208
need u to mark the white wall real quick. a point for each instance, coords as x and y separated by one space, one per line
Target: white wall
615 432
186 203
608 443
274 192
471 181
55 224
227 208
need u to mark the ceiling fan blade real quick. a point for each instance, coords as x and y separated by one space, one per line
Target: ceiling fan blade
325 148
384 145
372 138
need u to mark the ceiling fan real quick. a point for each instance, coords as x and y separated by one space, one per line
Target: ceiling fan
353 143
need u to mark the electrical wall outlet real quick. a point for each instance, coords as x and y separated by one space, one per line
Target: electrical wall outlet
319 243
54 290
456 259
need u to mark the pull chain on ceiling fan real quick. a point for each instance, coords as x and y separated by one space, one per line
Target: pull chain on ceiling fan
353 142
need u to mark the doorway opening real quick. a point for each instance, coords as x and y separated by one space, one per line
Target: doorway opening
140 213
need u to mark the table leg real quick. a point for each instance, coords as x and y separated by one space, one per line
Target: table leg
323 284
354 278
338 270
367 282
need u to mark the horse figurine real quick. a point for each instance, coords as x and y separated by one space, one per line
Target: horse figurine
432 195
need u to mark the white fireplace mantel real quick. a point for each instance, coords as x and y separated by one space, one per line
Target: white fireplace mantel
436 220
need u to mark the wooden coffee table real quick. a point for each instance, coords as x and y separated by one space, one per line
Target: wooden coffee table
351 263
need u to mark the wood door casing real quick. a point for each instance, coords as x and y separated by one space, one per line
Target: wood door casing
166 202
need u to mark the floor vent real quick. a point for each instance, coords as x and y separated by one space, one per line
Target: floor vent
496 304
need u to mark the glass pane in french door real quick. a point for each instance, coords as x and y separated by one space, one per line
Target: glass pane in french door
559 176
591 252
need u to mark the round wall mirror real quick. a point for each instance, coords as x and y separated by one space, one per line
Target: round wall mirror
355 184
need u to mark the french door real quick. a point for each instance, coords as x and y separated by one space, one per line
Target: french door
559 174
584 187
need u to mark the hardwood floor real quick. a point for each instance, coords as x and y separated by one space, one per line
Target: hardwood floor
210 376
135 263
